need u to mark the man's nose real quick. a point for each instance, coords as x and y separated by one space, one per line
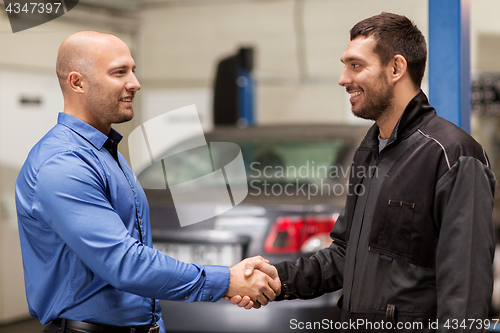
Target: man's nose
344 78
133 84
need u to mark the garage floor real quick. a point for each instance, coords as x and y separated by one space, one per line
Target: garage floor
26 326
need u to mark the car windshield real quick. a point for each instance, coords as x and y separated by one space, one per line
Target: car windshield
291 161
285 168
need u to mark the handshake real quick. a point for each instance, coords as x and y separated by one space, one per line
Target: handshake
254 282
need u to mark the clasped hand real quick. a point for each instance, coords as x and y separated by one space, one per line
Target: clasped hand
254 282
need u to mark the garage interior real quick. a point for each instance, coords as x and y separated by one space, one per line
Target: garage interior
177 45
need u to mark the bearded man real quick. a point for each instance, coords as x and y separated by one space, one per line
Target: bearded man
414 251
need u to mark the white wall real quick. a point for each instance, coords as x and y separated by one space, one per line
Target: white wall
180 46
37 47
485 22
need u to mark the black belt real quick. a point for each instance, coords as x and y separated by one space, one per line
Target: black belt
84 327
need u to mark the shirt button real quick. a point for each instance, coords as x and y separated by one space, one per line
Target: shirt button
186 297
210 298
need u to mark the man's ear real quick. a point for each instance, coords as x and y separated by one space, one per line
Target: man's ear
75 82
399 65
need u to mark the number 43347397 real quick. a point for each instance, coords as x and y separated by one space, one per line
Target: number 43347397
33 7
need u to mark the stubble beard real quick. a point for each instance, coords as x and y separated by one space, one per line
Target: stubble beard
102 105
379 102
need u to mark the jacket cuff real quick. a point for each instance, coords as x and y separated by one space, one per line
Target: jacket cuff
286 293
299 279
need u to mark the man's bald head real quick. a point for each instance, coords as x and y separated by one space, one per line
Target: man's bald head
77 53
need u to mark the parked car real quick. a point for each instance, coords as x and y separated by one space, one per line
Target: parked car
297 184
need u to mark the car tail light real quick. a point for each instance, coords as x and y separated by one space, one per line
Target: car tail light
292 234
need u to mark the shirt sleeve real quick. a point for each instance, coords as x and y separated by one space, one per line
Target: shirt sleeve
464 273
70 196
312 277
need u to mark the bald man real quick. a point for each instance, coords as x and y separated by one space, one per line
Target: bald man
89 265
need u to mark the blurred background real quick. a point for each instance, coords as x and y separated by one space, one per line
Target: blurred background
295 46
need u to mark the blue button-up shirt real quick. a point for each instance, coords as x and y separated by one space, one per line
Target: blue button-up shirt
80 214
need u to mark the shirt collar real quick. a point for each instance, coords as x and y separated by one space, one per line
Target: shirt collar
90 133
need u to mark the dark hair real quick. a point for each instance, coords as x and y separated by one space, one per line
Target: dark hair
395 34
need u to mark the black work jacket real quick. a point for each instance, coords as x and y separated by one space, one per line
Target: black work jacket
415 242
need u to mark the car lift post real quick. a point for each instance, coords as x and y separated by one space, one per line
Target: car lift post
449 60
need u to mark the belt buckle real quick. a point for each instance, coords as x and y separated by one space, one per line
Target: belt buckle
154 329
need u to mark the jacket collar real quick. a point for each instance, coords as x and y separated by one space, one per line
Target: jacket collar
417 112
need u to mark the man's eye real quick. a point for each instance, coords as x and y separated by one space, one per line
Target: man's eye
355 65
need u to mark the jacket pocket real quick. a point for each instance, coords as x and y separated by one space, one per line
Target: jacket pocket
396 234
